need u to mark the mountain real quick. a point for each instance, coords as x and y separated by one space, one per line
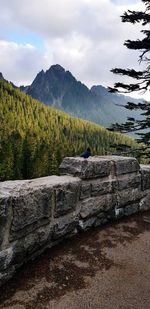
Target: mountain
113 105
1 76
59 88
35 138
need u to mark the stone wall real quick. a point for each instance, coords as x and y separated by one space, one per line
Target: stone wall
37 214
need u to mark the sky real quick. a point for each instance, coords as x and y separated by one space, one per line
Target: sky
84 36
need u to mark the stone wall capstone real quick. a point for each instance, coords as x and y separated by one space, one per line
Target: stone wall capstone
39 213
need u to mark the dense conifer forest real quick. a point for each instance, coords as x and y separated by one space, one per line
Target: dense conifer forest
35 138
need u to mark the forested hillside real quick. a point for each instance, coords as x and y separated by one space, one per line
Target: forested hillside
35 138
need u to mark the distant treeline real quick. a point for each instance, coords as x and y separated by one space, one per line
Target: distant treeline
35 138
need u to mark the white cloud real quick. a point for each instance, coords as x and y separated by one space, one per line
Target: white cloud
48 17
20 63
84 36
96 46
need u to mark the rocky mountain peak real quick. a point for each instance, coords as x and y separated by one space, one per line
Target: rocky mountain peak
59 88
100 90
56 68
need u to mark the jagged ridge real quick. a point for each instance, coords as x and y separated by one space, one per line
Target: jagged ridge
59 88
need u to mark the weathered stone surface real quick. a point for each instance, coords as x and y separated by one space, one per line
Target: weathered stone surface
67 196
129 181
94 205
124 165
30 207
127 211
6 258
85 190
86 224
31 245
5 217
145 171
33 200
39 213
131 209
93 167
98 220
100 187
145 202
64 226
6 275
128 196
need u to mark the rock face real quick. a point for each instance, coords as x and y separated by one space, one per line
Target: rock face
99 166
111 101
58 87
39 213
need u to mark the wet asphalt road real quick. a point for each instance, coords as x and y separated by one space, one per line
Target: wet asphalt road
105 268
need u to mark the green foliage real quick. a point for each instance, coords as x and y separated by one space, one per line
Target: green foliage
35 138
141 81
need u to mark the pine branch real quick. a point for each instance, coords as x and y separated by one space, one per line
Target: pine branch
136 17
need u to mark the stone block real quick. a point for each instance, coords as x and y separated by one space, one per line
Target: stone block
145 202
93 167
129 181
128 196
124 165
30 245
145 171
66 225
131 209
95 205
86 224
98 220
67 196
33 202
85 190
100 187
6 275
5 218
6 258
31 207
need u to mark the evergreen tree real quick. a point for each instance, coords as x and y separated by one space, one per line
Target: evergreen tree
141 78
34 138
